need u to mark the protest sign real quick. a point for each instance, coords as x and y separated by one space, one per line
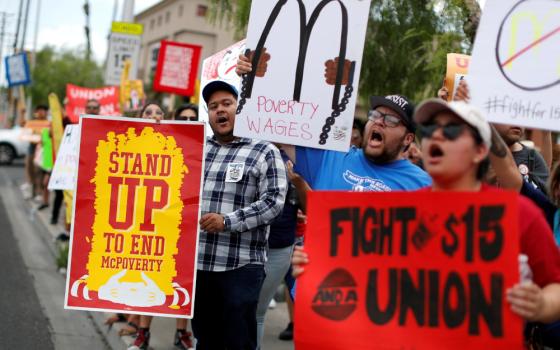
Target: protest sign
177 68
220 66
63 176
409 271
124 44
136 212
56 118
457 69
78 96
303 86
514 74
17 70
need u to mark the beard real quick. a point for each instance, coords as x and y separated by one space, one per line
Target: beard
391 152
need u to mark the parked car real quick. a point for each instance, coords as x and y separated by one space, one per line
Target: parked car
12 145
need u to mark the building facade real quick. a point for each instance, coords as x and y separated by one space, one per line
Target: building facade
183 21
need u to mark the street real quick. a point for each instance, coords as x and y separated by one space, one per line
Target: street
32 296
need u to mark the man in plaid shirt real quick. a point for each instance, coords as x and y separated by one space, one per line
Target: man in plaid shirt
244 190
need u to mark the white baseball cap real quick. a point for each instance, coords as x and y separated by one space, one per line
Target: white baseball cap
469 113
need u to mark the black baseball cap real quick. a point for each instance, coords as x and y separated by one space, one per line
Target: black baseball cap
217 85
400 104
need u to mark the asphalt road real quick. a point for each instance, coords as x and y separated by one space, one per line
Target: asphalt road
23 324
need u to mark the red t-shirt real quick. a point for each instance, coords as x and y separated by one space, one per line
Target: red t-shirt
536 240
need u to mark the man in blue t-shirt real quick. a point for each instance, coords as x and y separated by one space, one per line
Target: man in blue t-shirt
379 165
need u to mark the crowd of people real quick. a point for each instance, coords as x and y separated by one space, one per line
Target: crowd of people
254 202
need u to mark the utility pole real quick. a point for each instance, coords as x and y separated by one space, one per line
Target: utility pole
36 34
22 46
86 28
128 11
2 34
18 25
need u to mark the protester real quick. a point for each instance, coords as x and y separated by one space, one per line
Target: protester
187 112
93 106
357 137
244 190
280 246
182 338
554 190
455 143
379 166
32 187
152 110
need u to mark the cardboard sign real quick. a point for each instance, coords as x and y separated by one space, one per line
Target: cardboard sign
124 44
63 176
514 75
78 96
136 212
409 271
37 125
17 70
303 87
457 69
220 66
177 68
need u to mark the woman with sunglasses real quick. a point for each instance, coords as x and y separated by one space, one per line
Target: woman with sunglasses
455 144
152 110
186 112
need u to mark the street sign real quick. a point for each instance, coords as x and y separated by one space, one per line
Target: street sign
17 70
124 44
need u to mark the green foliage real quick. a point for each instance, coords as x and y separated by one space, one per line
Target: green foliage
62 256
56 68
406 42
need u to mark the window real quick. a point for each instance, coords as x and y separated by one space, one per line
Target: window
159 21
152 23
167 16
201 10
181 10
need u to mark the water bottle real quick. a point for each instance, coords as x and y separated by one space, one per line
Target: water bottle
525 273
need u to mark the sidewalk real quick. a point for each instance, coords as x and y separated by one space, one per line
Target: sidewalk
163 328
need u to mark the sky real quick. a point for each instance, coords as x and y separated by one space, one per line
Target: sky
61 24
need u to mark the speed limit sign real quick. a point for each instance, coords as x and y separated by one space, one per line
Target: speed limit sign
124 44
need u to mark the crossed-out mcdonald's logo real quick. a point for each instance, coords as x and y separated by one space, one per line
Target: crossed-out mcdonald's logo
524 19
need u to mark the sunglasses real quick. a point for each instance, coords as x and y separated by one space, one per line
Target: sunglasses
390 120
450 131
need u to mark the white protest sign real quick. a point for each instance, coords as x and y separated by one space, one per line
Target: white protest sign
124 44
515 69
63 176
220 66
290 100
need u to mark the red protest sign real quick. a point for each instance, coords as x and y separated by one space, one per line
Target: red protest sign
177 68
77 97
409 271
135 227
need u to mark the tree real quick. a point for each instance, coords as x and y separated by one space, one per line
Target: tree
406 42
53 70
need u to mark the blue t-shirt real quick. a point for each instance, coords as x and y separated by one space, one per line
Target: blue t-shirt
352 171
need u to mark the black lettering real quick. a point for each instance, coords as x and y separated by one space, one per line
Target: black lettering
490 311
454 317
375 314
385 232
368 246
468 219
489 220
337 215
411 297
450 246
433 302
404 215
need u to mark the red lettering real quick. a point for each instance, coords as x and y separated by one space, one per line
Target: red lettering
114 206
151 203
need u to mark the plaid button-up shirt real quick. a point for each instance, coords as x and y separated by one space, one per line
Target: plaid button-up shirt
245 181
